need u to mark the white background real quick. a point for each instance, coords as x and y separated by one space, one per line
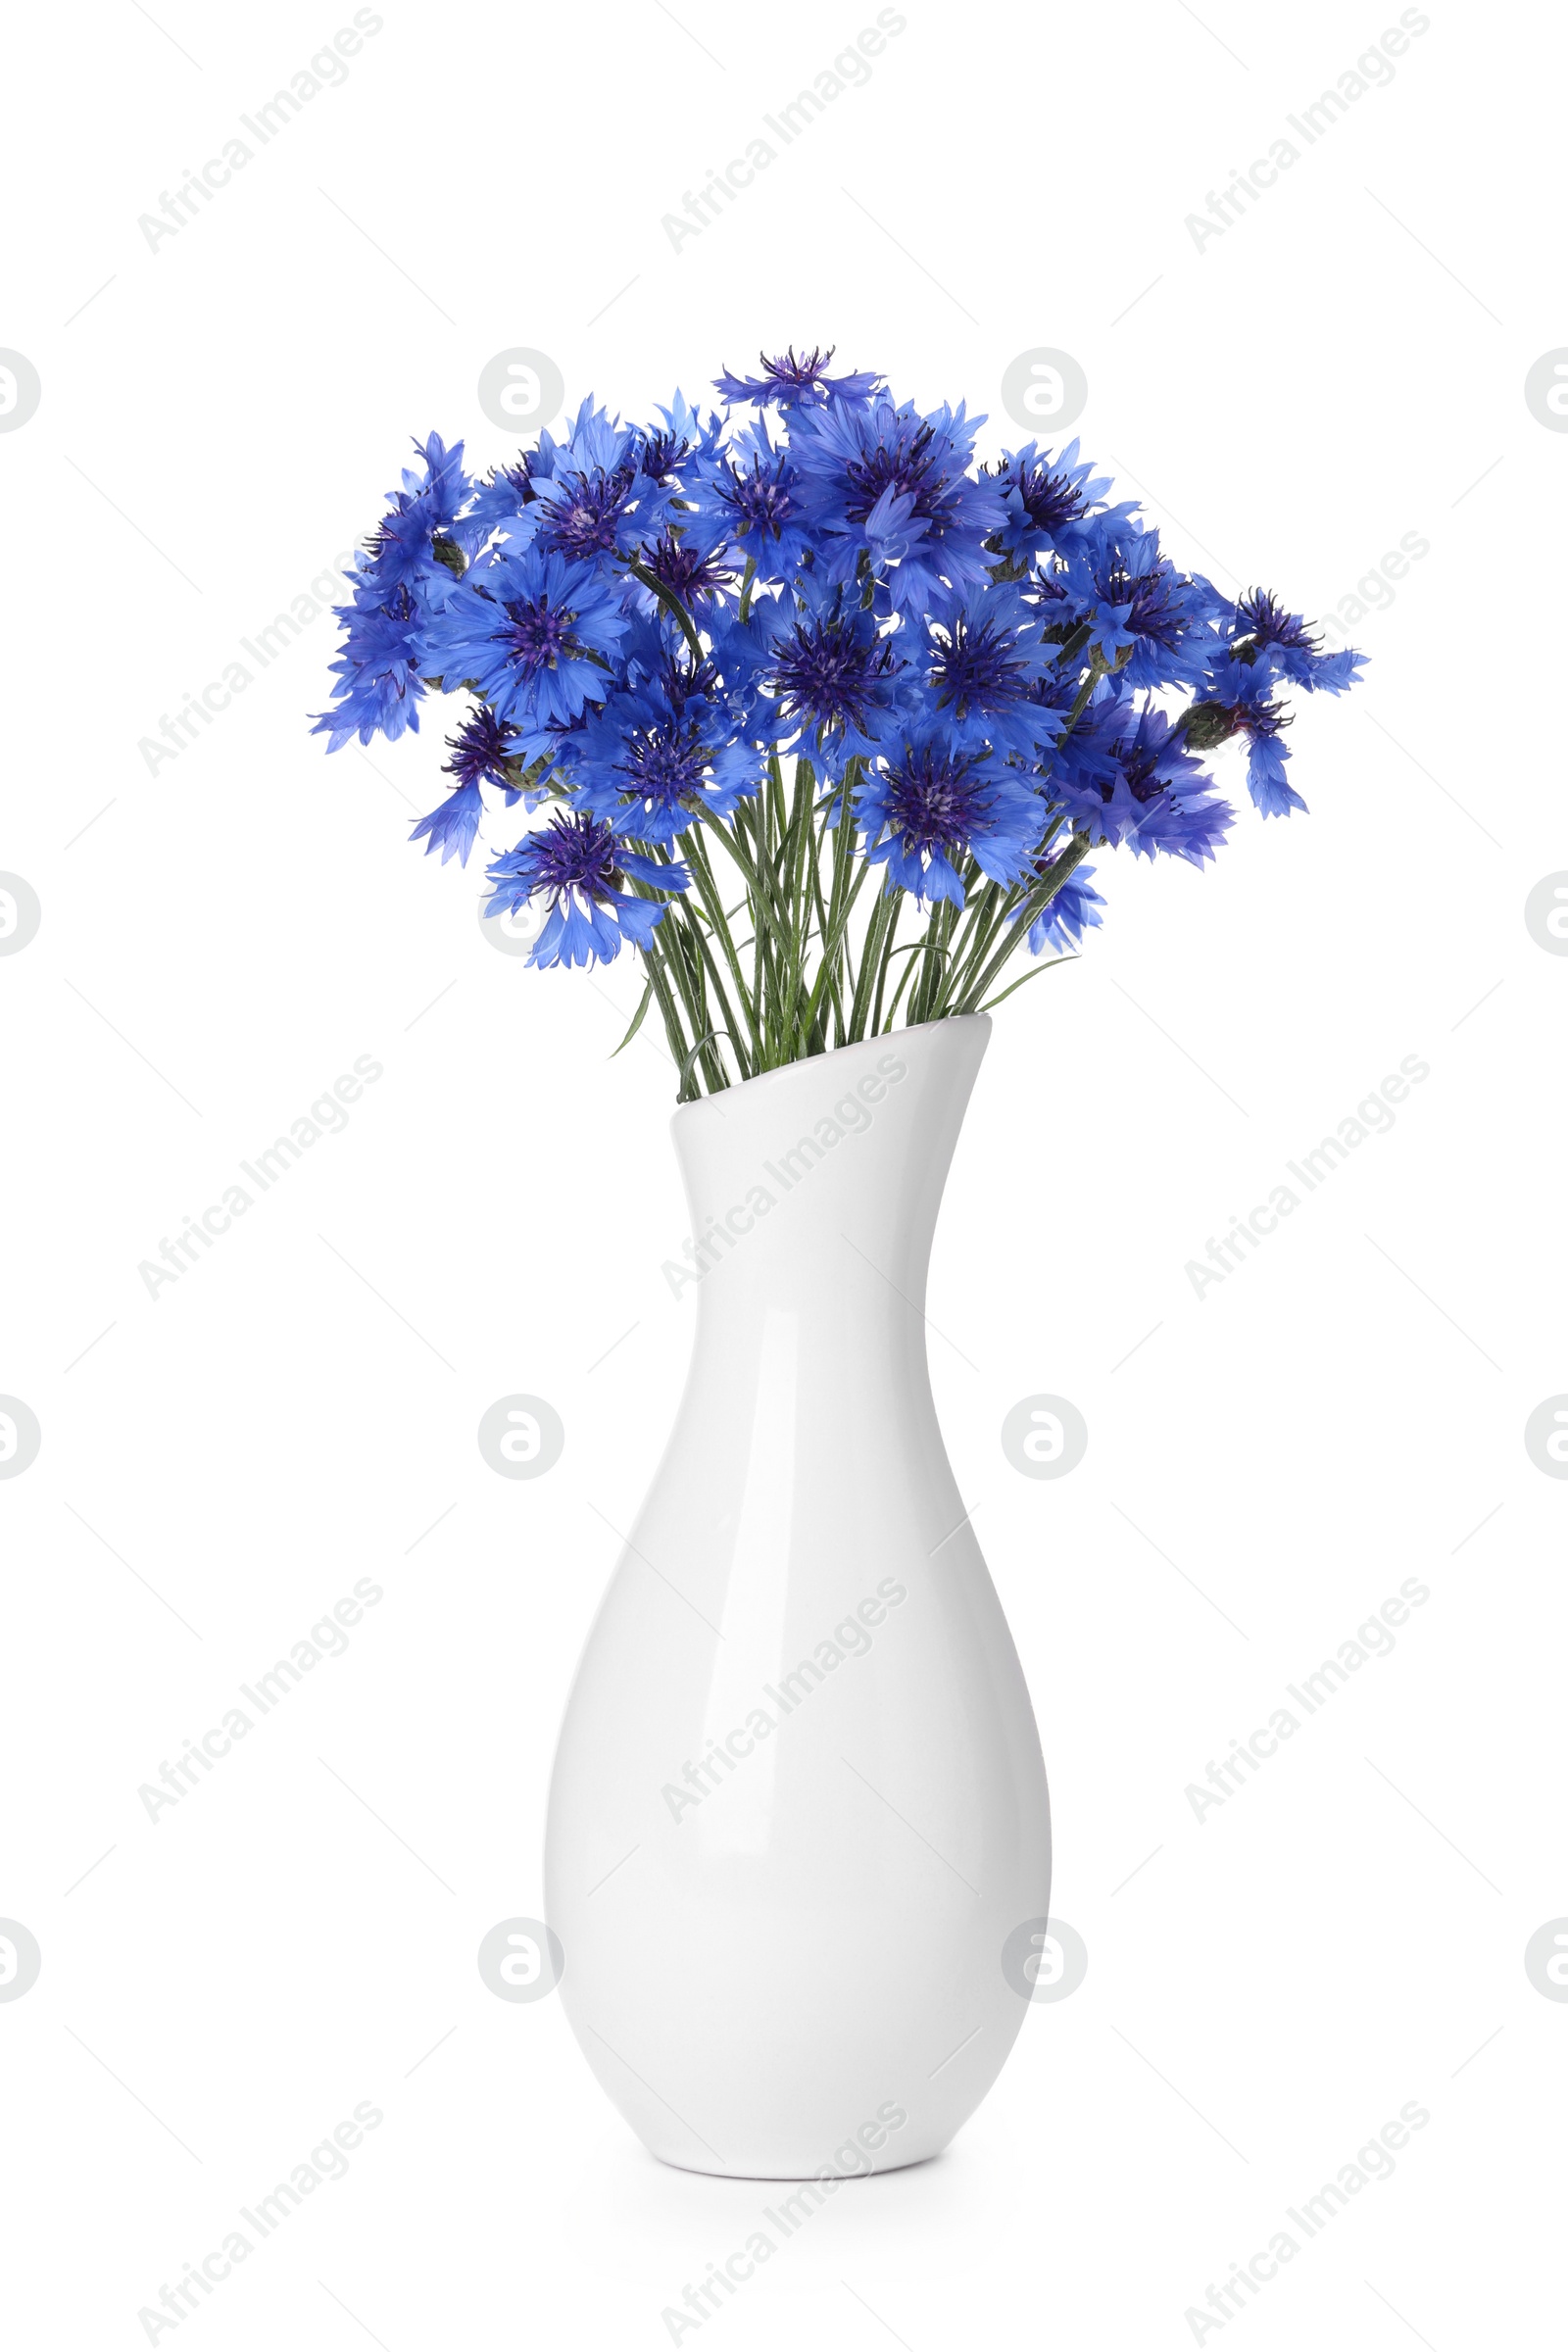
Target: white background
220 417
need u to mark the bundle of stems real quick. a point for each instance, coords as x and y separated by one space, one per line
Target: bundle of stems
818 971
818 962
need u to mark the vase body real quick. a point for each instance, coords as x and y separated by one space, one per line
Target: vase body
798 1805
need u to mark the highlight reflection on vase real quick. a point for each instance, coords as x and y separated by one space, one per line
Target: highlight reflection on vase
798 1805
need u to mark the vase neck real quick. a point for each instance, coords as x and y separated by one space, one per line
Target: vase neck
821 1181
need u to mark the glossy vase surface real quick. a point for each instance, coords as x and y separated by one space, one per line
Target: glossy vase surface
798 1806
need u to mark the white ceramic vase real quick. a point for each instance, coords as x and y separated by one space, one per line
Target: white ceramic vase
798 1806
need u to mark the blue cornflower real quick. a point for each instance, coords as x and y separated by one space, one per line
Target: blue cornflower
984 651
834 673
652 765
692 569
575 476
884 481
1335 673
405 572
598 497
935 804
534 634
1261 619
721 695
666 453
584 515
748 495
726 683
661 450
500 503
793 383
1068 913
578 865
1238 698
1043 496
453 823
1263 627
485 750
739 668
379 669
1144 614
1125 776
401 550
1051 696
988 661
1272 793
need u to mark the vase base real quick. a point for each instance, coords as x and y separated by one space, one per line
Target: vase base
787 2177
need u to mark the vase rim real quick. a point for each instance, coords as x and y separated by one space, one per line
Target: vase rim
885 1038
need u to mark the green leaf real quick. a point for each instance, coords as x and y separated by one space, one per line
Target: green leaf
689 1063
637 1020
1028 976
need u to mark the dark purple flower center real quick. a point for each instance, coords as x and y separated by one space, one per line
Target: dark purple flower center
793 382
1154 612
758 500
906 464
661 454
979 668
571 852
479 746
1259 617
537 635
666 765
521 477
934 799
832 674
797 373
585 512
681 679
1138 761
1049 500
684 569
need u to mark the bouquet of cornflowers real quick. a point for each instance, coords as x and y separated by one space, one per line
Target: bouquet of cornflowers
750 666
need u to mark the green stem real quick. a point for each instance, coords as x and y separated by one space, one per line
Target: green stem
878 932
836 971
671 941
1033 904
718 924
653 965
800 848
673 603
912 951
706 952
882 972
